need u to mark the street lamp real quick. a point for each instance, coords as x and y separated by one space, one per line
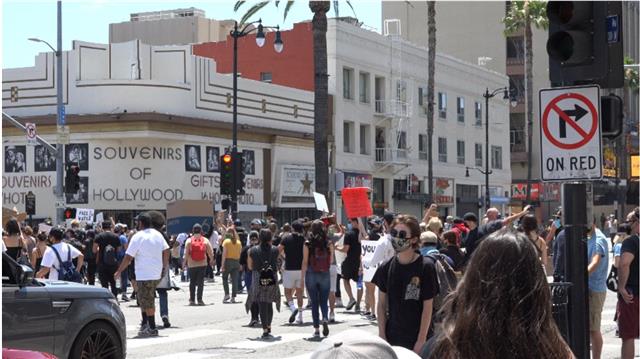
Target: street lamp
278 46
59 191
508 94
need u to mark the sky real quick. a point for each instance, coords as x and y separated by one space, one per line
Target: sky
89 20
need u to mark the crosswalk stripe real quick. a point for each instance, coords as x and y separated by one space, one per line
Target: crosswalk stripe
258 344
133 343
186 355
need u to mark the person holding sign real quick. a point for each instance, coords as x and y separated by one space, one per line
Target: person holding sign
352 265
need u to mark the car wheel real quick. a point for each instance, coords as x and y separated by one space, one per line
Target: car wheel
97 341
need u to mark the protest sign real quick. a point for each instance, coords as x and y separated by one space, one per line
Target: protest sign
84 215
321 202
356 202
368 248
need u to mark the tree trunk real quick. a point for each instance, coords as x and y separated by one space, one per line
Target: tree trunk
321 94
431 40
528 38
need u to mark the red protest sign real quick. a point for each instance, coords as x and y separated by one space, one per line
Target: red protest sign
356 202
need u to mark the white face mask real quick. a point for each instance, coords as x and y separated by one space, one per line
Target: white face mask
399 240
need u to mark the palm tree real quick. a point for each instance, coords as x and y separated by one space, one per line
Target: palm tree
321 82
524 14
431 69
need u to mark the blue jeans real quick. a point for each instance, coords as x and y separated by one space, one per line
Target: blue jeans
124 281
164 303
248 279
318 284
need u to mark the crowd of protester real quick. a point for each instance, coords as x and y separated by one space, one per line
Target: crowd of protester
444 287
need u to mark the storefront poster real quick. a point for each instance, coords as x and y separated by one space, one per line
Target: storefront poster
444 191
519 191
297 184
357 180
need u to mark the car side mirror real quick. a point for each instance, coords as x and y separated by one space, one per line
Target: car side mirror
24 275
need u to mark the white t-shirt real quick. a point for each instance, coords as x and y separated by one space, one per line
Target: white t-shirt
181 238
214 240
50 260
146 247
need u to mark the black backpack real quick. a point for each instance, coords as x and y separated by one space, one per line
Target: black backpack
67 270
267 273
110 257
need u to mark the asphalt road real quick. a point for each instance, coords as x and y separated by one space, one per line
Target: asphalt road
220 330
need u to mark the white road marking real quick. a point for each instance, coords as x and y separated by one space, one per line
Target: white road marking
133 343
258 343
186 355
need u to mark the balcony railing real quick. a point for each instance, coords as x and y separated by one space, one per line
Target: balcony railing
391 155
380 106
393 108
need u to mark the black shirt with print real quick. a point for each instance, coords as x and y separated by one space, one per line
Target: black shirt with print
410 286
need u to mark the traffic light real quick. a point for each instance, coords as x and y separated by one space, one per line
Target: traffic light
72 179
70 213
585 43
238 173
226 174
611 116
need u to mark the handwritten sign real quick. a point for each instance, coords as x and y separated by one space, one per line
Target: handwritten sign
368 248
84 214
321 202
356 202
44 228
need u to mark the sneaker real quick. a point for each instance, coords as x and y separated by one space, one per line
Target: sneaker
191 302
332 317
201 303
165 322
153 332
325 328
253 323
233 300
372 317
366 313
266 335
125 298
144 331
133 295
292 318
226 299
299 321
357 310
316 334
339 303
352 302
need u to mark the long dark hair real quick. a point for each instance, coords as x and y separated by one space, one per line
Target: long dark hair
317 237
265 238
501 307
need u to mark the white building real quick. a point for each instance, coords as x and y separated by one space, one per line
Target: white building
379 87
147 125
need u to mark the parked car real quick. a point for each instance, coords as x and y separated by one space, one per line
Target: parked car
69 320
25 354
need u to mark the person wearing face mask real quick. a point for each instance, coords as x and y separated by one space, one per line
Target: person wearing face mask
407 284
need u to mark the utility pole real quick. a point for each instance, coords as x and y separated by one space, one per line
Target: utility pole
59 191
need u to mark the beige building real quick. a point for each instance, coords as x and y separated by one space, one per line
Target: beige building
170 27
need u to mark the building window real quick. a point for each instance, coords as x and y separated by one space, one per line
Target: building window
400 185
402 144
379 94
265 77
479 154
423 145
478 114
422 100
365 131
348 135
442 105
460 151
401 91
516 140
442 149
347 83
364 87
496 157
460 109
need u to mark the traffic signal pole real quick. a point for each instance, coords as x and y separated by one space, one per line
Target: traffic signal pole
59 191
234 145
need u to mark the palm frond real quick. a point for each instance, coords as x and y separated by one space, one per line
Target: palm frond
286 10
252 11
238 5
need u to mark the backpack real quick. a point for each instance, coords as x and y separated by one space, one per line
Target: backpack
612 280
267 274
198 249
110 257
67 270
447 281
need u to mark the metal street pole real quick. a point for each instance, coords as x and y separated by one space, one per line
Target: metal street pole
234 145
487 194
59 191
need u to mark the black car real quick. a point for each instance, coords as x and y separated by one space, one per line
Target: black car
69 320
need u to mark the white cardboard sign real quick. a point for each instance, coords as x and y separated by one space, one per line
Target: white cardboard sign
368 248
84 215
570 133
321 202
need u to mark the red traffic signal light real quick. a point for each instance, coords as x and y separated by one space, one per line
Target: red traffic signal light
226 158
70 213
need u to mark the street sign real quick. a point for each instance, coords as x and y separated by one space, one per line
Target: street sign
570 133
613 29
31 133
63 135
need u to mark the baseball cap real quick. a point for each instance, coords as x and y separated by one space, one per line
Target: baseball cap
256 222
428 237
470 217
237 223
356 344
389 217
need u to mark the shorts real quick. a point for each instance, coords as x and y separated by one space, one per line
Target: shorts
596 303
628 319
292 279
146 293
333 278
350 270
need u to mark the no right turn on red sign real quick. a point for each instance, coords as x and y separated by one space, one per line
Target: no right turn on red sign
570 134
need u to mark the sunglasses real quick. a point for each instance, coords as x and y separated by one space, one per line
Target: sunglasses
399 234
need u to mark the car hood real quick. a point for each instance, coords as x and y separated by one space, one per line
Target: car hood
72 290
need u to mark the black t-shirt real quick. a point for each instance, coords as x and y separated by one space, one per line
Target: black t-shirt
355 247
475 236
630 245
374 235
293 251
412 284
243 256
105 238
